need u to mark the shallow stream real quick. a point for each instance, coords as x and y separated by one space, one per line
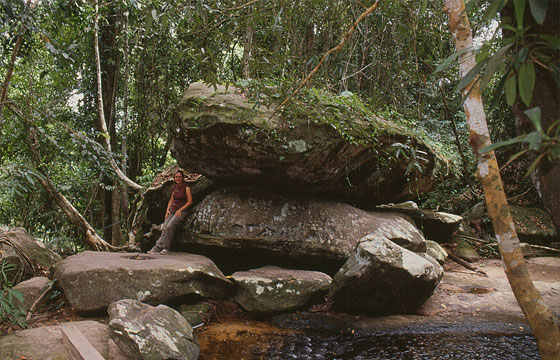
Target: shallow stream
320 337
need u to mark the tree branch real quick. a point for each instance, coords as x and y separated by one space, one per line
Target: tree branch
333 50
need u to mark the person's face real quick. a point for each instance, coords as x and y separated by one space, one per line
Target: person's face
178 177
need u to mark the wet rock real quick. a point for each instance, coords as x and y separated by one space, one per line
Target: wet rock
435 250
32 290
226 137
18 240
435 225
45 342
308 230
145 332
382 278
92 280
465 251
274 290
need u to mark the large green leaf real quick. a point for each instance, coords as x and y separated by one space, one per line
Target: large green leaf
526 82
493 64
535 115
511 92
471 75
447 62
495 6
519 6
538 9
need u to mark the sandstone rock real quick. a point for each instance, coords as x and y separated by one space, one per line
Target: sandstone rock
92 280
312 231
435 225
145 332
45 342
383 278
465 251
434 250
318 150
273 289
32 289
35 250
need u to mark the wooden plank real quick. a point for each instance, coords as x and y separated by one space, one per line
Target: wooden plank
78 344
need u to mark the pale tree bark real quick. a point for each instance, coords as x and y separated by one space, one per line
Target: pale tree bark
101 120
541 320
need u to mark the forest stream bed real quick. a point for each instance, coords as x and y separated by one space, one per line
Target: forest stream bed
470 316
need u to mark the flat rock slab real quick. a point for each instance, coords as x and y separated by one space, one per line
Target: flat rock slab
272 289
318 148
45 343
93 280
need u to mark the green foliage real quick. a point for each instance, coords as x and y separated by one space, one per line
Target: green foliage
545 143
10 299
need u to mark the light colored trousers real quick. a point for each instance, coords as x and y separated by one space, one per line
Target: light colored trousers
169 226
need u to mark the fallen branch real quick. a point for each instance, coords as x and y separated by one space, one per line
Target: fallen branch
465 264
333 50
38 301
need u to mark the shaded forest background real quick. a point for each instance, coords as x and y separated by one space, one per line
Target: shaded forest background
151 50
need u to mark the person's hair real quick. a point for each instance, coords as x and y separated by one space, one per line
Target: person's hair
179 172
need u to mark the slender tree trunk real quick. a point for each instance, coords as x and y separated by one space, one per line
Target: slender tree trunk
540 318
102 123
247 52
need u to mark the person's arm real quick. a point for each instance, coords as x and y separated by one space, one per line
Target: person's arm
187 204
169 206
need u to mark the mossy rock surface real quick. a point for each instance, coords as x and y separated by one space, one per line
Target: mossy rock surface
315 147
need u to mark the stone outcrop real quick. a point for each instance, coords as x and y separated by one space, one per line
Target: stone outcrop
92 280
383 278
45 342
435 225
311 230
434 250
32 289
18 241
273 290
315 149
145 332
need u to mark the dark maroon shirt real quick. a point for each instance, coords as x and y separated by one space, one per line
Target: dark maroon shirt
179 197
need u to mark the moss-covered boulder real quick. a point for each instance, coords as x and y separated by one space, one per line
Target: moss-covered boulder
320 147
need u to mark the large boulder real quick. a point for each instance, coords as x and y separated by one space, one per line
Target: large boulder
312 231
273 290
327 148
92 280
382 278
24 252
145 332
435 225
46 343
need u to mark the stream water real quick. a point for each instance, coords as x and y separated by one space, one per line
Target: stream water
305 340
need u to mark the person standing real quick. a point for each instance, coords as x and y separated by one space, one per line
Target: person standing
181 199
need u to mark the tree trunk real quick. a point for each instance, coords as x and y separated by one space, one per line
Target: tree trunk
101 120
540 318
